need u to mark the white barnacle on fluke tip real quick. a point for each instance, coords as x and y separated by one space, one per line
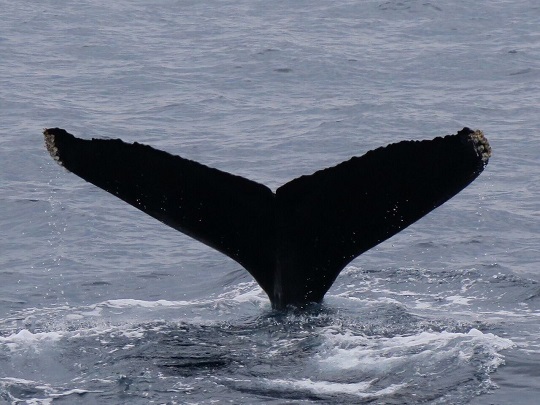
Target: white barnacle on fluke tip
481 145
51 147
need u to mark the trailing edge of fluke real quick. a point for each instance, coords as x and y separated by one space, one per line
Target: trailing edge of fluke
294 242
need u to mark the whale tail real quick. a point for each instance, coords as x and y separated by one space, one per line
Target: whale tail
294 242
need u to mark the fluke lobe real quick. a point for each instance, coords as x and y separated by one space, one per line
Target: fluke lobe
294 242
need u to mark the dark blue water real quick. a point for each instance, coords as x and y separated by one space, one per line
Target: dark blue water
99 304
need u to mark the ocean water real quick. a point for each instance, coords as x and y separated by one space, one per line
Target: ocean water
101 304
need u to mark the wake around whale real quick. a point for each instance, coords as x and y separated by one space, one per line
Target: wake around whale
294 241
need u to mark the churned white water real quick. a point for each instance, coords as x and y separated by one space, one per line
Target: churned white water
101 304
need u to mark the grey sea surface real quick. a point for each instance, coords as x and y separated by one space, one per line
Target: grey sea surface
100 304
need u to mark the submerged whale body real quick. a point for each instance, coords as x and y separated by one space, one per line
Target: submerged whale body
294 242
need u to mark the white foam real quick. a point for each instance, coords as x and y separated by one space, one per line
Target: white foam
250 296
96 311
71 392
47 392
130 303
245 292
133 334
381 355
458 300
14 380
419 304
38 401
359 389
25 338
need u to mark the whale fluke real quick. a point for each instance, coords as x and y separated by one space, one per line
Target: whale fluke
294 242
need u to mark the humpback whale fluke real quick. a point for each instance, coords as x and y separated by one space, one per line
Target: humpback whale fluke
294 242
